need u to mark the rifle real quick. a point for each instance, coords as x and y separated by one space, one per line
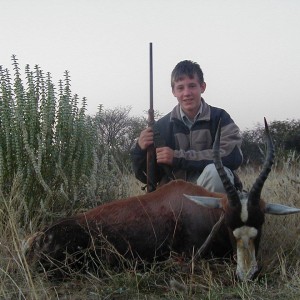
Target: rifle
151 182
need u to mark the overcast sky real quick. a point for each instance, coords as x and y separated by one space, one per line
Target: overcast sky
249 50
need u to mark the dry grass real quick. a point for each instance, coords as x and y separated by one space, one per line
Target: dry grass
173 279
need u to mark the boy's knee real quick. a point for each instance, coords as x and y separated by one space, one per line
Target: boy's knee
210 179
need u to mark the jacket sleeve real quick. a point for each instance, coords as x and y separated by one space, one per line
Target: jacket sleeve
139 165
230 150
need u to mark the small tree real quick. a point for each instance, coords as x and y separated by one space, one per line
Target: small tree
118 132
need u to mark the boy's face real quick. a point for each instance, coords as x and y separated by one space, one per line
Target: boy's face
188 93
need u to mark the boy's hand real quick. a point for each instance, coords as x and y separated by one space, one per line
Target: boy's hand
164 155
146 138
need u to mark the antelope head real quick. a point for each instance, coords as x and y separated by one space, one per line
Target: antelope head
244 211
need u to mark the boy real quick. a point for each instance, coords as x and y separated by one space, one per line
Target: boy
188 133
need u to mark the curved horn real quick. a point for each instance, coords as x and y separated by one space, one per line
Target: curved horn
254 194
232 194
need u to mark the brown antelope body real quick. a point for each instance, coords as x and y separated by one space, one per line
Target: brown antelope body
169 219
147 227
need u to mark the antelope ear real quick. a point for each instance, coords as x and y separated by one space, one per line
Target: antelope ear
209 202
279 209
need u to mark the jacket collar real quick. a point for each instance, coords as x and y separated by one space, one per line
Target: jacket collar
204 113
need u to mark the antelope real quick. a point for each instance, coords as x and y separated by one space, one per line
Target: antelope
178 217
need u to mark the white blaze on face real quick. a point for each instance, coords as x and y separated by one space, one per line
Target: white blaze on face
246 260
244 210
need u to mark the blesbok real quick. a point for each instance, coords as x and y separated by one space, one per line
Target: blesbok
152 225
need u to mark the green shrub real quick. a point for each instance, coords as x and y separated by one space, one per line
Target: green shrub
45 138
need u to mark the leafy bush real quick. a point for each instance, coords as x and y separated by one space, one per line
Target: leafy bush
45 138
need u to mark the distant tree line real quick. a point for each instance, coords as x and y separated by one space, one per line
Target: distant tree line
286 138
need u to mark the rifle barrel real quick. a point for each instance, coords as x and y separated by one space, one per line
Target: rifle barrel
151 76
151 182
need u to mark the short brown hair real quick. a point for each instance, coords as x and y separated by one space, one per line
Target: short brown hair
186 68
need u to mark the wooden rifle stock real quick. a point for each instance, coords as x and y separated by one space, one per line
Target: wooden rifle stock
151 180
